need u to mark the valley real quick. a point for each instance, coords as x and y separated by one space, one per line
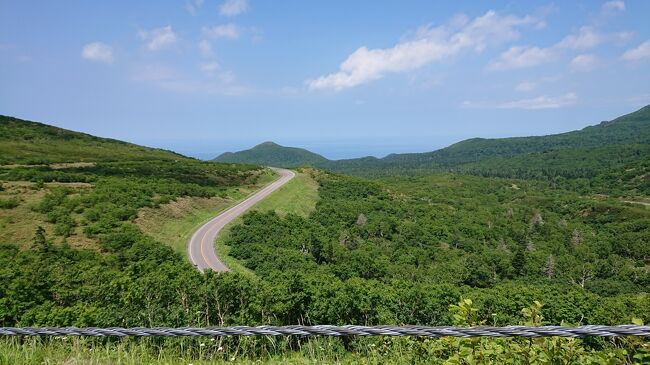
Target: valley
100 240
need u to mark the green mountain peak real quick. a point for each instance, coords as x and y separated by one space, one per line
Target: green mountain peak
272 154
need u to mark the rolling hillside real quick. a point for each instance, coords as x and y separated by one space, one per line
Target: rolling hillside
630 129
79 189
272 154
612 155
25 142
609 158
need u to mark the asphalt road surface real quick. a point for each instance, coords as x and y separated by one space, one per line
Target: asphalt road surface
200 248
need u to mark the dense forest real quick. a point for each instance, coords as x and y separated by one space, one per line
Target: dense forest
442 249
450 233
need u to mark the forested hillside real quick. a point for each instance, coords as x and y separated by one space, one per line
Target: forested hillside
404 251
622 170
272 154
629 129
623 132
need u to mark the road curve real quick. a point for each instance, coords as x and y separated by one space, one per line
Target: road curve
200 248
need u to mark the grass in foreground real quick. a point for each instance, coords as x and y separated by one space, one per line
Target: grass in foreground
322 350
129 351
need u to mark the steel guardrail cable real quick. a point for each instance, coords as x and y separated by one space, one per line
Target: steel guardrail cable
327 330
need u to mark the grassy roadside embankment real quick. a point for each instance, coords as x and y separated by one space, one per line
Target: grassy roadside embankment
174 223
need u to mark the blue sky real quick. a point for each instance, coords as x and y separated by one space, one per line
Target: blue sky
342 78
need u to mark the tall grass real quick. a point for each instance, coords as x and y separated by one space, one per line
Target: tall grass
238 350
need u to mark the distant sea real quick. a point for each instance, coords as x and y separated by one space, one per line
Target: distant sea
333 150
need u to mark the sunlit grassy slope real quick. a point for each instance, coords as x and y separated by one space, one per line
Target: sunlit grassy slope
26 142
19 221
298 196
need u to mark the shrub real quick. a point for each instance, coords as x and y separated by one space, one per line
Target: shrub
9 203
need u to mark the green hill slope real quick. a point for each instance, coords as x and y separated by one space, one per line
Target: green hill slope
25 142
82 189
630 129
272 154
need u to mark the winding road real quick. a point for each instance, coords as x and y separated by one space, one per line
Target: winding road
200 248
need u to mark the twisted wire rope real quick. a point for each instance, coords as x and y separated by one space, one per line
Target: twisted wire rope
327 330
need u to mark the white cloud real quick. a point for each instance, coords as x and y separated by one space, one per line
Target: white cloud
615 5
540 102
214 70
529 56
233 7
97 51
226 77
584 63
210 68
159 38
587 37
525 86
164 77
193 6
639 53
521 57
530 85
229 31
205 47
429 44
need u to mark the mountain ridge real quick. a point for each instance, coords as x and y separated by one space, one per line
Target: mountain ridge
629 129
